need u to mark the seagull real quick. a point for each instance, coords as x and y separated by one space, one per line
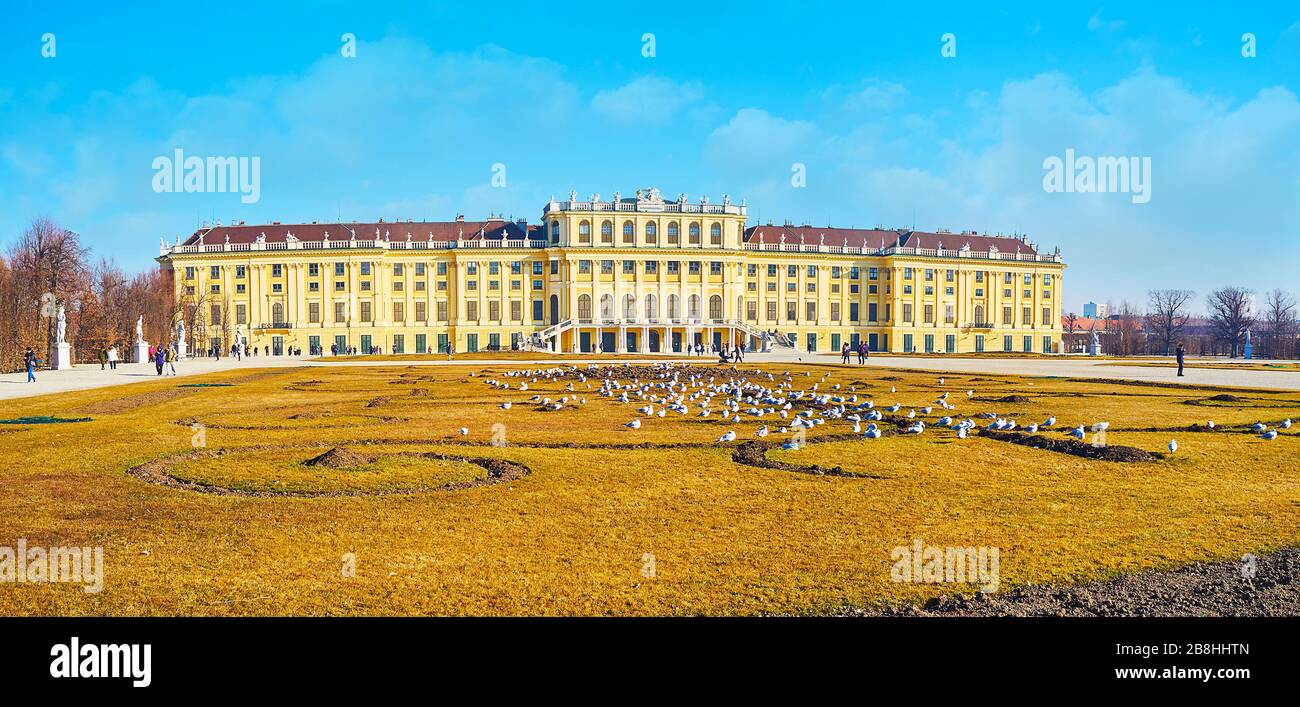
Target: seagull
728 437
1173 446
1210 424
1077 432
1049 421
634 425
872 432
505 406
1286 424
464 431
762 431
1271 434
961 433
1259 427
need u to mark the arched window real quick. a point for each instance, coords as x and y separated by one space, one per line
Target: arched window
555 231
674 311
674 232
607 306
651 307
715 307
715 234
651 232
277 313
629 307
979 314
584 232
629 232
584 307
694 234
693 307
607 232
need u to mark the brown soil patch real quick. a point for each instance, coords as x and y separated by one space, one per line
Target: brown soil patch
134 402
340 458
1112 453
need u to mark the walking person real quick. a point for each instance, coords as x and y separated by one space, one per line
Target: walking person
844 354
862 352
1179 354
103 359
159 358
171 360
451 350
29 362
112 358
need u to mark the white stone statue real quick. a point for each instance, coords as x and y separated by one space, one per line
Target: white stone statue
180 330
61 328
139 328
239 334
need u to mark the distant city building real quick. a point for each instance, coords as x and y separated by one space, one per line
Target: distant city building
1092 310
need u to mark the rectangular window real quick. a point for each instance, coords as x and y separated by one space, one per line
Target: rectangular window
715 268
929 314
1026 316
338 269
651 267
241 314
471 309
516 310
1029 344
1007 318
397 269
811 308
907 343
366 315
835 311
1047 344
606 267
771 310
313 312
1006 343
949 314
399 311
1047 316
584 267
907 312
365 268
791 311
494 311
443 306
216 315
340 312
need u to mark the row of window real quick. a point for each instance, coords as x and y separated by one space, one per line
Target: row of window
650 231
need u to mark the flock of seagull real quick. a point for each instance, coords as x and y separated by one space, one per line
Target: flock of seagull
735 399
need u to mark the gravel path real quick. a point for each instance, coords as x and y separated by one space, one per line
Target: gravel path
1201 589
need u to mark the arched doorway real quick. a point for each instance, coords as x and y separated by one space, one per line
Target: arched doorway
555 309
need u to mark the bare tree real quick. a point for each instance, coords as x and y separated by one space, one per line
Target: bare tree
1167 315
1280 317
1231 315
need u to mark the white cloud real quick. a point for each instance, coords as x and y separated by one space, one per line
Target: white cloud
647 100
876 95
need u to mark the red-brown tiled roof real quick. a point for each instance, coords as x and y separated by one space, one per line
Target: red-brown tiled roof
880 238
421 231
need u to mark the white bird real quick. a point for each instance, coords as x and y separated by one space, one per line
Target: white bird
1077 432
505 406
635 425
762 431
1259 427
1271 434
464 431
1210 424
730 436
961 432
1049 421
1173 446
1286 424
872 432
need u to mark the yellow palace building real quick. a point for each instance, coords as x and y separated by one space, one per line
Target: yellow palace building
635 274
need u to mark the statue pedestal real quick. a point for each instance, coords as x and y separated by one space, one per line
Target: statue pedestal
1249 351
141 352
61 356
181 350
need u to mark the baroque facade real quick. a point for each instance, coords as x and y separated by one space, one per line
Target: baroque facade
636 273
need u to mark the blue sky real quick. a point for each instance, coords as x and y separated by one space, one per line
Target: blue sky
891 132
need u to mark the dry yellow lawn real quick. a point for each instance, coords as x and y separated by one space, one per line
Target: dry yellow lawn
576 535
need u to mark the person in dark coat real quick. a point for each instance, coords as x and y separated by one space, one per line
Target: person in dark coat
1179 354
